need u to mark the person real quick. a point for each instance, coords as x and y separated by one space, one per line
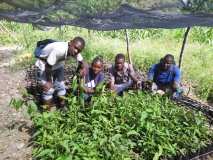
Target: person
165 77
93 77
50 62
122 75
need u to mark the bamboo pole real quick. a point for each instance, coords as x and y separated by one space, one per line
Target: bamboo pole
127 47
183 46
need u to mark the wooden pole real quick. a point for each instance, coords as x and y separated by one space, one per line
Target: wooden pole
127 47
183 46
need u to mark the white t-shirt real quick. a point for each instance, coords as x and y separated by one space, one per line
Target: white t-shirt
55 54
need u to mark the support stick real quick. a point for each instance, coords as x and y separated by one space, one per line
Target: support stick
127 47
183 45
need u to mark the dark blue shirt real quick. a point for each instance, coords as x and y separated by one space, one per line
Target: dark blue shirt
160 77
92 80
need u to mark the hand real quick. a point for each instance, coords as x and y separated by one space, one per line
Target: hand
147 85
46 87
154 87
139 84
88 90
112 86
160 92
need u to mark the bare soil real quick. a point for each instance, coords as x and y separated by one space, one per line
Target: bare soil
15 126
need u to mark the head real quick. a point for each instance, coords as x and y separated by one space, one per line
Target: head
119 61
97 65
75 46
167 61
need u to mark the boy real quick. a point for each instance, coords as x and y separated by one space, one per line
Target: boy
165 76
122 75
51 62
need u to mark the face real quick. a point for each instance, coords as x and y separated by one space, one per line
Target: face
75 47
119 64
167 63
97 67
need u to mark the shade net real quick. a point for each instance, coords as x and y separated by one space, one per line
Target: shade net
110 14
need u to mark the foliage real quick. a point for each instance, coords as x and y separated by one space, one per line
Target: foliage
16 103
136 126
201 5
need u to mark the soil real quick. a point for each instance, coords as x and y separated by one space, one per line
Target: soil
15 126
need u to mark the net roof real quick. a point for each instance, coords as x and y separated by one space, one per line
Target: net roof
110 14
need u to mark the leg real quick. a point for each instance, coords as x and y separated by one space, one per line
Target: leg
59 85
119 88
46 95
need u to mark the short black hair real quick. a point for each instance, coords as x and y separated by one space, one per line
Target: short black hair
79 39
97 59
120 56
169 56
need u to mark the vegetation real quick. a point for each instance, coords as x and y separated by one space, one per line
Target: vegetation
136 126
201 6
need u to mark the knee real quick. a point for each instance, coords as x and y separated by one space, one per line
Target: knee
60 88
47 94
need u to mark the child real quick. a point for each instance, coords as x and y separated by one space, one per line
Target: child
165 77
93 76
122 75
50 61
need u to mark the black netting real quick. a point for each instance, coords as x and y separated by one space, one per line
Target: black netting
110 15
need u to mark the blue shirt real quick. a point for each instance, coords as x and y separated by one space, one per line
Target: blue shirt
92 80
160 77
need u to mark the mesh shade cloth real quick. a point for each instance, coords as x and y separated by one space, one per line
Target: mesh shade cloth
110 15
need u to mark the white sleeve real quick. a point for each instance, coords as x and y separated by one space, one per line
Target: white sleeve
79 57
40 64
51 60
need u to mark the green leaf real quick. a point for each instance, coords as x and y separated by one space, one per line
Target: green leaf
16 103
45 152
133 132
32 107
159 153
65 144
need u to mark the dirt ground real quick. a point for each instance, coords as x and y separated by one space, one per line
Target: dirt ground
15 126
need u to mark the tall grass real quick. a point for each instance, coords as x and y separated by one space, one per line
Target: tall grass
146 47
